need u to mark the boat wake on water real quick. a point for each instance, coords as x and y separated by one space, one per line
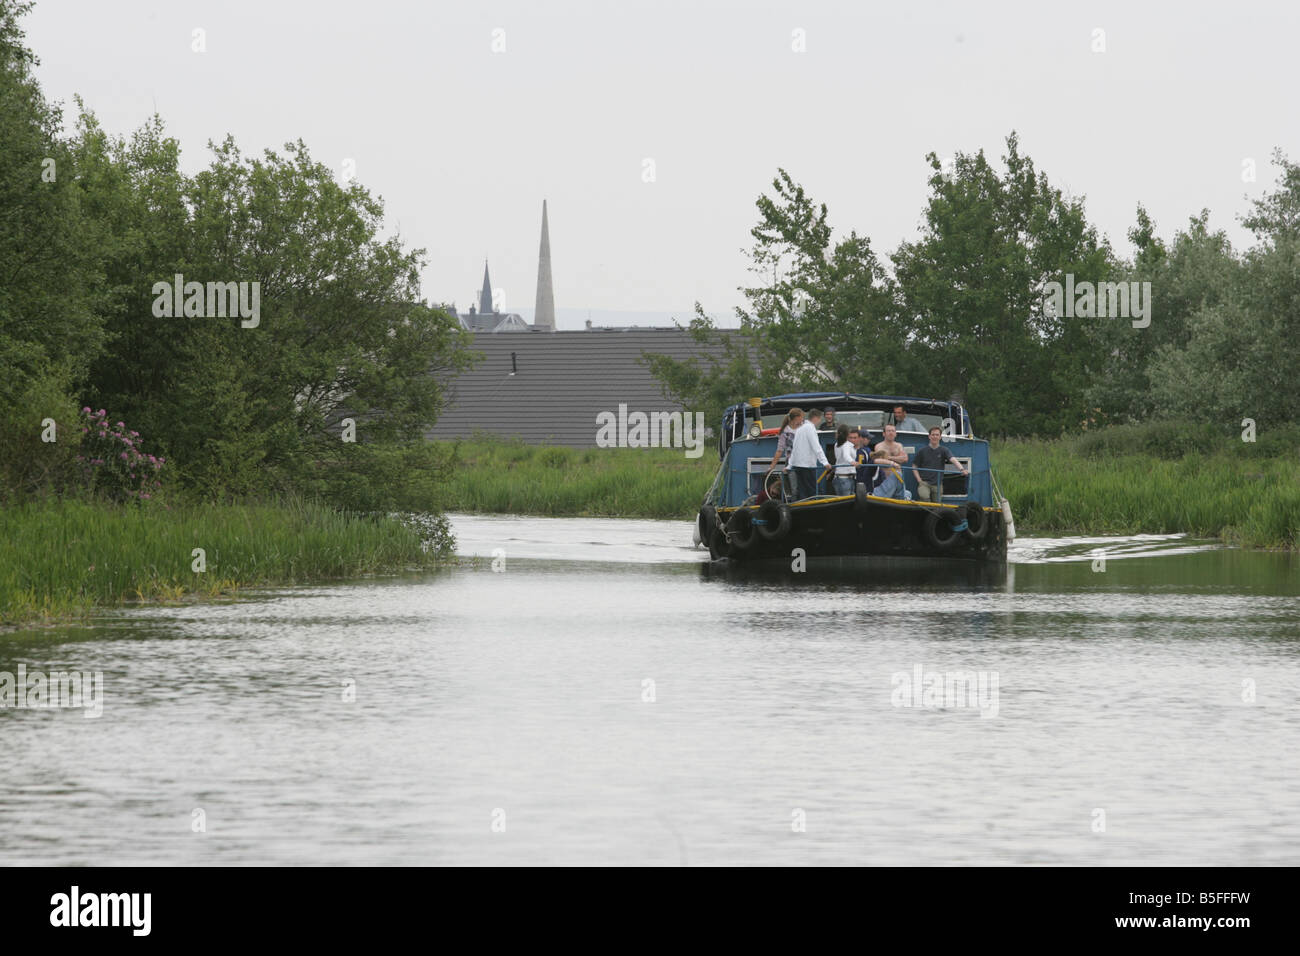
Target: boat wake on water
1076 549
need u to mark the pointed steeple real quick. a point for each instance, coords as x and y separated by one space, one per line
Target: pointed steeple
485 297
544 313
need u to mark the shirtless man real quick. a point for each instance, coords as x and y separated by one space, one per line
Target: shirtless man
889 448
889 481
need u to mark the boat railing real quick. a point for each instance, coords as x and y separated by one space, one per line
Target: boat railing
941 473
828 473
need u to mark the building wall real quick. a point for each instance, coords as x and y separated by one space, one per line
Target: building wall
563 380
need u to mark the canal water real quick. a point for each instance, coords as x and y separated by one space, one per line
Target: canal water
592 691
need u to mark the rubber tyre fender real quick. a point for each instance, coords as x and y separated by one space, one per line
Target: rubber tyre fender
776 519
707 518
860 493
933 521
977 521
719 546
742 530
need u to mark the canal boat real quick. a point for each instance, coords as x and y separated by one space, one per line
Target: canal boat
969 520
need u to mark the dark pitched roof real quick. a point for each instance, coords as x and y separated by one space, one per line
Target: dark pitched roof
563 380
493 322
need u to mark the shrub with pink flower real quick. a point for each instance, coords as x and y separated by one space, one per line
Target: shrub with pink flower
113 462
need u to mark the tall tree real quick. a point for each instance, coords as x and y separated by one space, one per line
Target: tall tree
827 320
973 294
50 286
1240 356
1197 270
821 318
340 327
965 311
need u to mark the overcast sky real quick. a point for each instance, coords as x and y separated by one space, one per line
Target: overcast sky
463 141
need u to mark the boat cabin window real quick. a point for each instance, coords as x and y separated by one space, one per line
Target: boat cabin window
876 420
955 484
927 422
871 420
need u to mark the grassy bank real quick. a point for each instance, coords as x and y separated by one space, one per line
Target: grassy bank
514 478
1250 501
60 558
1148 479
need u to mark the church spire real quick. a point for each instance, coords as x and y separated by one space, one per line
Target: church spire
544 313
485 297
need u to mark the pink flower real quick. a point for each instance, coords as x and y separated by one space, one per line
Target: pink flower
146 496
120 425
123 456
86 410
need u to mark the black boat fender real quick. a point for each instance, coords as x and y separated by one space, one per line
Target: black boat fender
719 546
977 522
707 518
860 499
741 530
940 530
773 520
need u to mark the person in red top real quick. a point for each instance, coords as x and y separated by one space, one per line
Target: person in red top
771 490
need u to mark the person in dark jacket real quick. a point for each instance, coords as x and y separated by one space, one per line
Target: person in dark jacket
866 472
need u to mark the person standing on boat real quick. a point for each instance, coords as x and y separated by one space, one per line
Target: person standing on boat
904 422
793 419
865 471
845 455
928 466
829 424
861 439
806 455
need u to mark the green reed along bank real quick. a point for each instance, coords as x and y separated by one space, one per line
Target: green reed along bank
61 557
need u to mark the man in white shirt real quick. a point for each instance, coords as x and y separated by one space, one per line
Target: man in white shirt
807 459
